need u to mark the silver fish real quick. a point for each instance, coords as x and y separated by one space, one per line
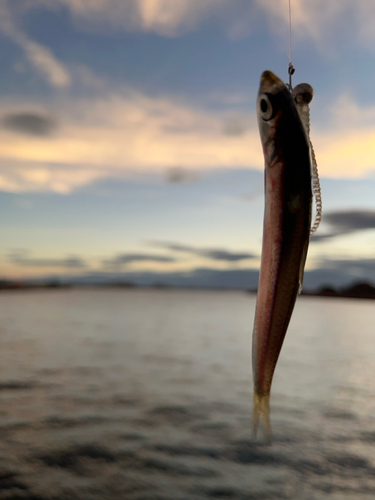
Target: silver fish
286 231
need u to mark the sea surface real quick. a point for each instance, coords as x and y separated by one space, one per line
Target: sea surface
147 395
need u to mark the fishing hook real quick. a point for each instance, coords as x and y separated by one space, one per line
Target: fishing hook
291 71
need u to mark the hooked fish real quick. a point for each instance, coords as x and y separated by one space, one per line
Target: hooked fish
286 231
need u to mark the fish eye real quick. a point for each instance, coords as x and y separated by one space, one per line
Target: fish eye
265 107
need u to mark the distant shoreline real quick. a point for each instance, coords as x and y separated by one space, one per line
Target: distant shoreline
357 290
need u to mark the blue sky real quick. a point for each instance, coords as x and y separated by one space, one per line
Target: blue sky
129 141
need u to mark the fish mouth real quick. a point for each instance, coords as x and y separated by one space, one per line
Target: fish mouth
270 83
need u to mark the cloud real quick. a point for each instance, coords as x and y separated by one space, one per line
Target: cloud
22 259
350 266
164 17
118 135
178 175
126 133
225 255
345 143
347 113
310 19
348 154
45 62
236 125
40 57
128 258
341 272
322 21
316 20
347 221
29 123
251 195
214 254
19 176
351 220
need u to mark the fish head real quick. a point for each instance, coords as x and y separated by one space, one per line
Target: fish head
278 118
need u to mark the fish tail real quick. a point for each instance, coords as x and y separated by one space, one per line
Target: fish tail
262 412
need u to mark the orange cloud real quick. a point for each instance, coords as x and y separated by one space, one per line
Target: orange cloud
130 132
119 135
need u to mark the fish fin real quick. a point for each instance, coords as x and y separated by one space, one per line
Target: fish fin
262 412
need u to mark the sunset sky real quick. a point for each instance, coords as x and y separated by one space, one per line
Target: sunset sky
129 141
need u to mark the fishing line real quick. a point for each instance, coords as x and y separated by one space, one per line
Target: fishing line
290 31
303 95
291 69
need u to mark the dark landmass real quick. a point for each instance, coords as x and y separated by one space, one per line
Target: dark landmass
25 285
199 278
357 290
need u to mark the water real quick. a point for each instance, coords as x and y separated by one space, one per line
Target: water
146 395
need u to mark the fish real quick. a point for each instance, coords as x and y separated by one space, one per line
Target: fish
286 232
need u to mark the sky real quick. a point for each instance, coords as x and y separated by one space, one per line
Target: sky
129 144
